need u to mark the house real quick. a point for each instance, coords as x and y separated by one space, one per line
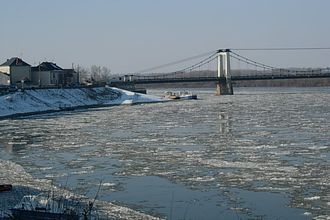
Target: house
4 79
50 74
17 70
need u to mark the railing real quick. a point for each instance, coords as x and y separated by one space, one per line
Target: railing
281 76
158 79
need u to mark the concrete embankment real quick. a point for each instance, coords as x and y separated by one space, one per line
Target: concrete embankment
37 101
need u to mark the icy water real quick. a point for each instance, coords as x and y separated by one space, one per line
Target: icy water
260 154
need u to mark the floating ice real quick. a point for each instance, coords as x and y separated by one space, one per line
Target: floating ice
312 198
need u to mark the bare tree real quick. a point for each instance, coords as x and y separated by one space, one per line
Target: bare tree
105 74
95 73
84 73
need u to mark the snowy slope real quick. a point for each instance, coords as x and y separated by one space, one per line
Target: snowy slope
43 100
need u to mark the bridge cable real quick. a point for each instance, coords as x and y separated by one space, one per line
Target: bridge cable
251 61
199 64
175 62
233 55
284 48
257 64
190 68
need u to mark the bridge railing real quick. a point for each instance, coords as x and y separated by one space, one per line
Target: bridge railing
272 74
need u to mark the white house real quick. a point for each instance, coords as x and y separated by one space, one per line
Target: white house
17 70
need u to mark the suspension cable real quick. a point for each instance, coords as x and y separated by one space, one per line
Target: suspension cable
190 68
212 56
252 61
257 64
284 48
199 64
175 62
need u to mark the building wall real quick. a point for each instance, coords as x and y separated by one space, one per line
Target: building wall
35 78
76 78
55 78
4 79
5 69
46 78
42 77
56 75
18 73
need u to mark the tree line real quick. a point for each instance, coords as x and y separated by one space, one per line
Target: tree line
94 74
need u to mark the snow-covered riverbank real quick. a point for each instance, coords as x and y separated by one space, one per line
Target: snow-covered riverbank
34 101
24 184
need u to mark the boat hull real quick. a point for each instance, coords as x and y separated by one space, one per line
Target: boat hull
188 97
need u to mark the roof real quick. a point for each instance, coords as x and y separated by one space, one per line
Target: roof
46 66
15 61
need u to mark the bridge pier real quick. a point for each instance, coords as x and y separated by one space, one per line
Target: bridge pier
224 85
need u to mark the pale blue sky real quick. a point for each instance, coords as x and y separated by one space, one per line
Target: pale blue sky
130 35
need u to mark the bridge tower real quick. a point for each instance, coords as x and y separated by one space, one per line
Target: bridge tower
224 85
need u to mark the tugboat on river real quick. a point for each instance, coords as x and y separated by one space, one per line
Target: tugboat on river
180 95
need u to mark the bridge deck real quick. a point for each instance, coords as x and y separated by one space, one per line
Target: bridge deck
154 80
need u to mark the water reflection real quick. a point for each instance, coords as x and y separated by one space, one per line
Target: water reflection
13 146
224 123
16 140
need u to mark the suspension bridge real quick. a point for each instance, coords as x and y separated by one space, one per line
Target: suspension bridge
223 76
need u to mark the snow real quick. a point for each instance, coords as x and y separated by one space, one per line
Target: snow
46 100
24 184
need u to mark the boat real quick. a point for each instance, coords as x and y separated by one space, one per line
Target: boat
180 95
171 95
44 207
5 187
187 95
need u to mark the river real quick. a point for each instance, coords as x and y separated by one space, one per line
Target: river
263 153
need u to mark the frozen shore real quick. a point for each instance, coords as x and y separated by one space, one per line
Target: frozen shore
24 184
35 101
